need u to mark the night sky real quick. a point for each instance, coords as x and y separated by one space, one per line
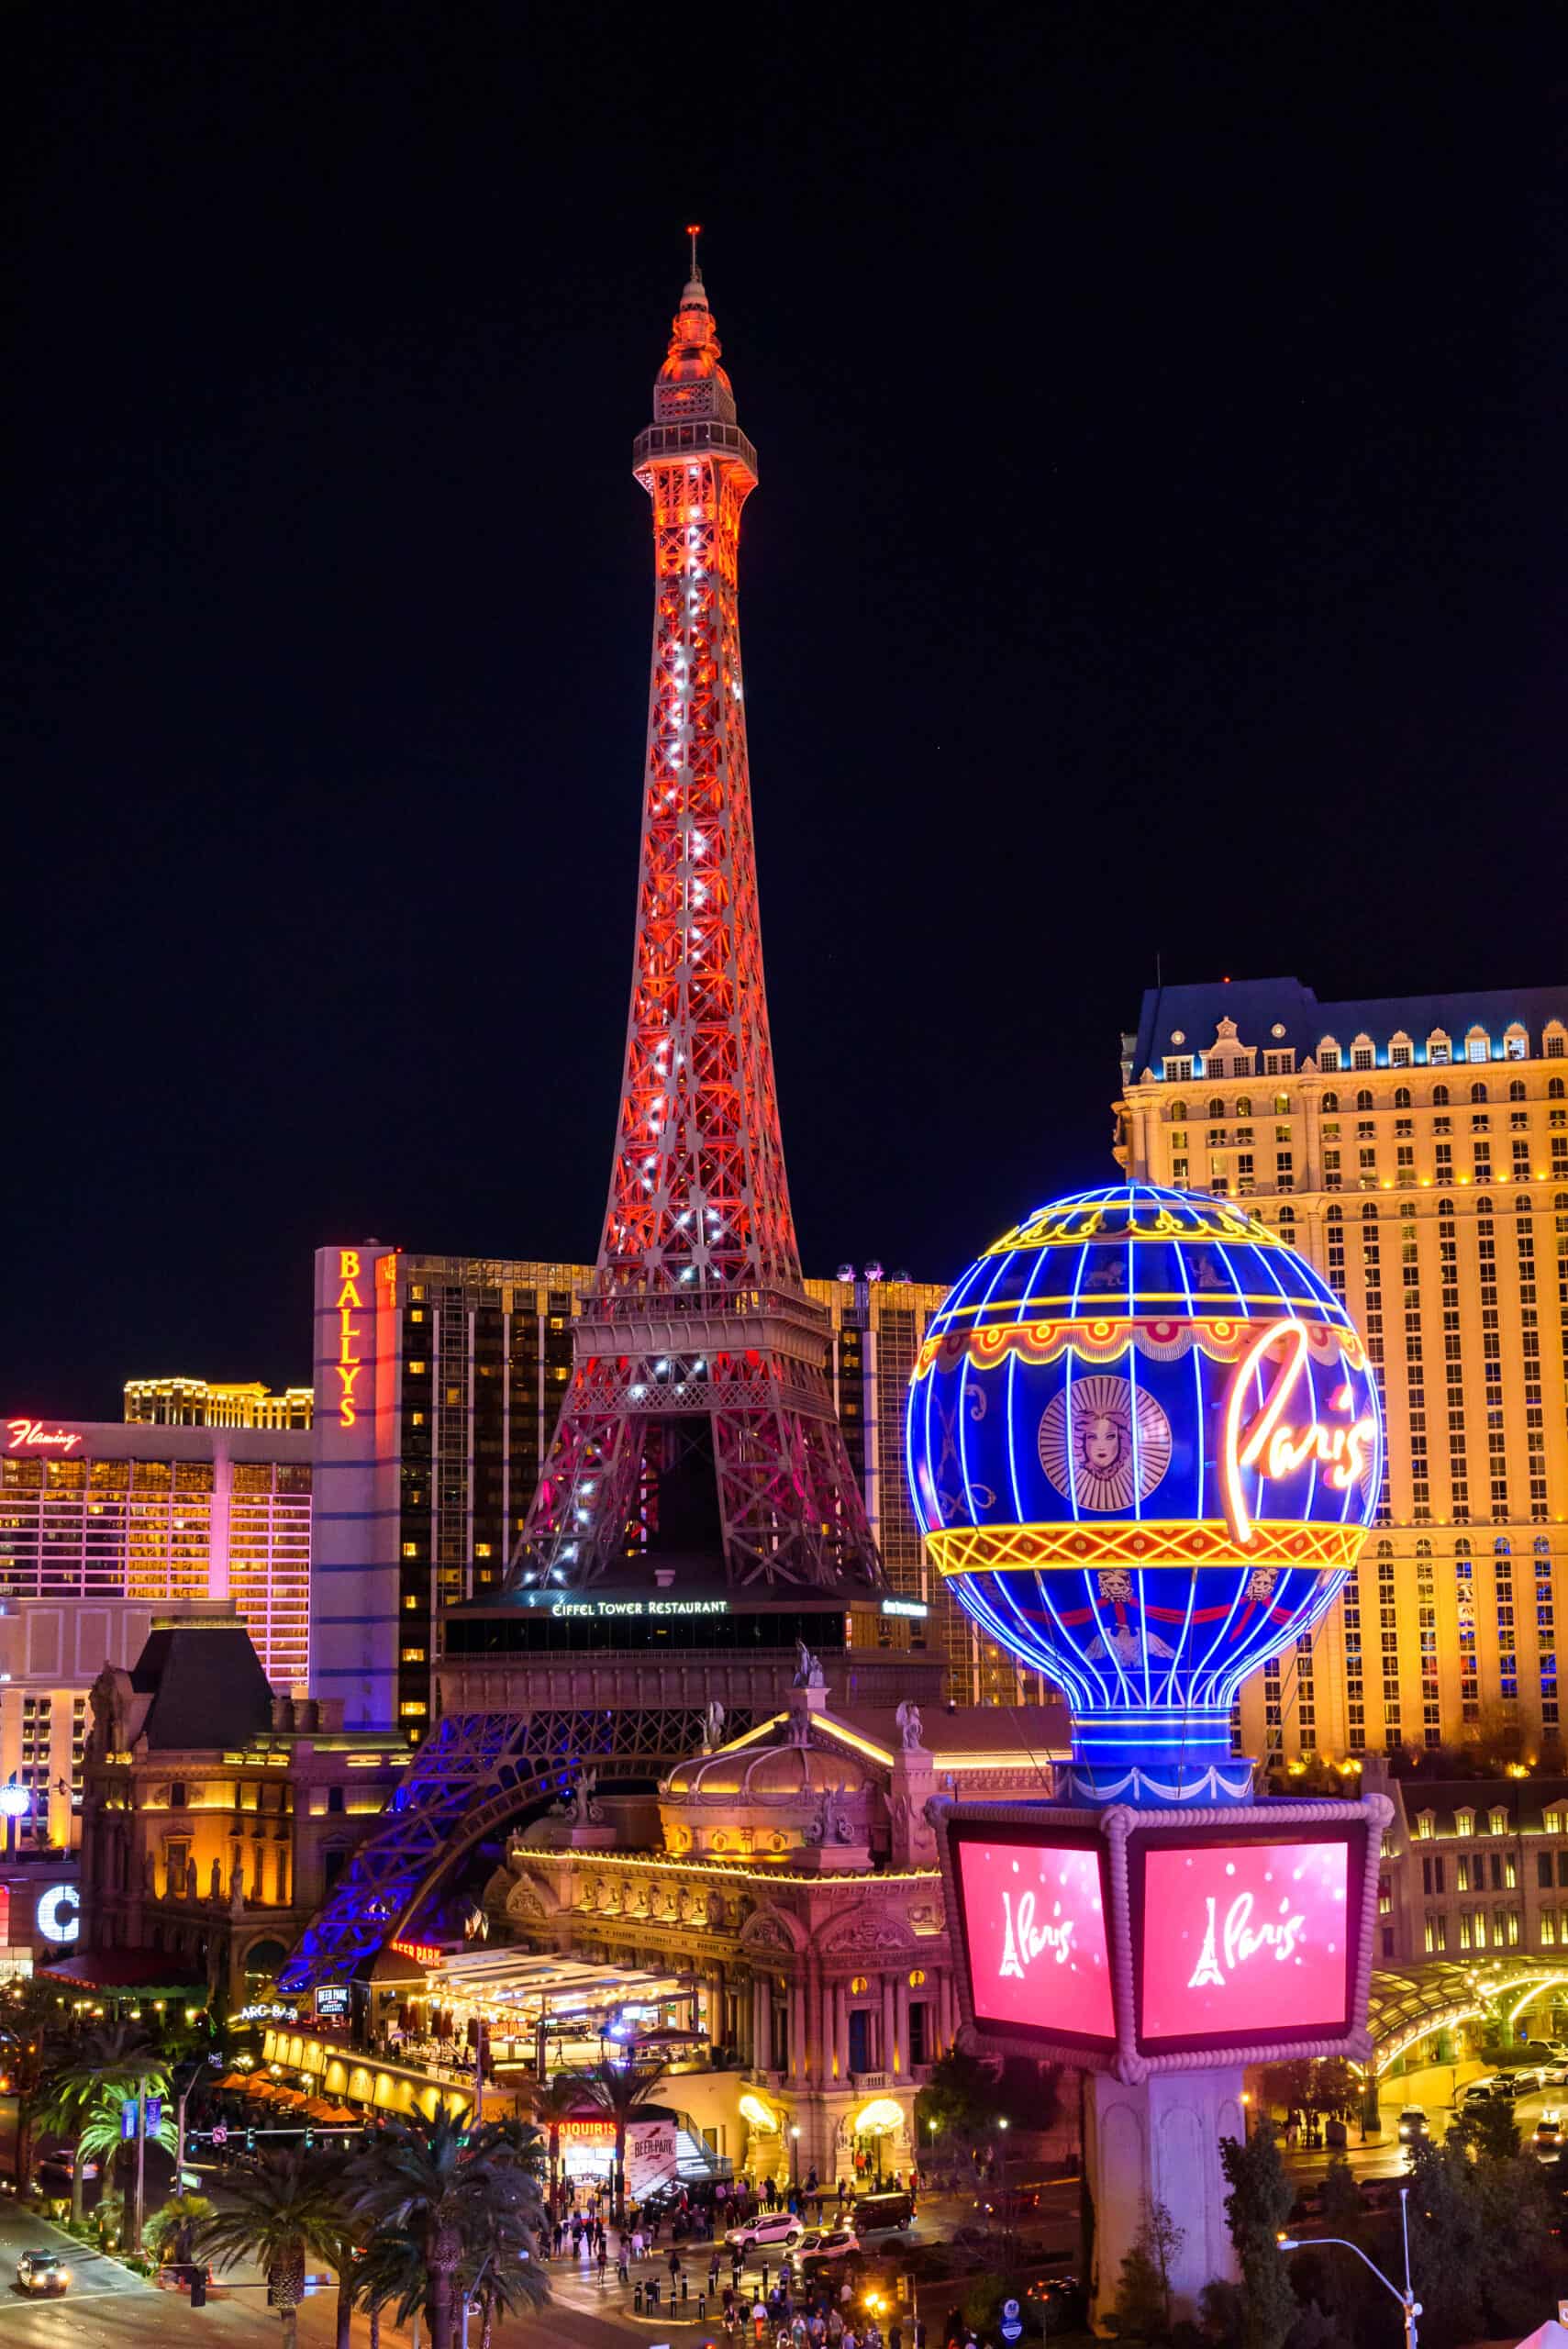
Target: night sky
1159 552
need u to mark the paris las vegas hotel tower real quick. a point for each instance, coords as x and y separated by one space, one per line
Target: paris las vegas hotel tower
1417 1151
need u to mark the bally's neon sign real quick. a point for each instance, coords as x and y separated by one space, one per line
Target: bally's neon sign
31 1435
1275 1446
351 1361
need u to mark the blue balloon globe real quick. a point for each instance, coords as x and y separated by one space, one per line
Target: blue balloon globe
1145 1443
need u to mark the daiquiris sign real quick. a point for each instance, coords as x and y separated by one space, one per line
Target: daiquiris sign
1133 1945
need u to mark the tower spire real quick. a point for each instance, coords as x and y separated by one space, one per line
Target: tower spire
699 1418
694 230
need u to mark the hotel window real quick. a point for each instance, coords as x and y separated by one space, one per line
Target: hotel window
1476 1046
1556 1044
1543 1870
1513 1925
1439 1052
1328 1058
1516 1045
1462 1872
1548 1927
1552 1823
1499 1820
1465 1930
1399 1055
1363 1056
1178 1071
1279 1064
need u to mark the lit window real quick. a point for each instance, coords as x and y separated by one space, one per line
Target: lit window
413 1709
410 1549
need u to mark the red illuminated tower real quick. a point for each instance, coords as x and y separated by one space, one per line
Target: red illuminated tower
699 1421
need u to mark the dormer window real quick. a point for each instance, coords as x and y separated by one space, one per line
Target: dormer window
1426 1826
1329 1055
1464 1822
1499 1820
1516 1044
1401 1052
1363 1053
1439 1049
1477 1044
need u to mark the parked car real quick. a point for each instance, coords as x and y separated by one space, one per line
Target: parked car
1528 2082
1412 2123
764 2231
42 2271
1488 2091
1546 2050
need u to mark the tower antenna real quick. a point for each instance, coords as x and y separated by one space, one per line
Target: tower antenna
694 230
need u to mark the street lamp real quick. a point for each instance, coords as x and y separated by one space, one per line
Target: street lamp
1407 2299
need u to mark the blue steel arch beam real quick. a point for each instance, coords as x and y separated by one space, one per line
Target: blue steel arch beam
475 1771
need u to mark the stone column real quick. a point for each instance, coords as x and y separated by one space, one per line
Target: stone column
887 2025
821 2063
759 2025
901 2023
842 2031
1160 2141
797 2042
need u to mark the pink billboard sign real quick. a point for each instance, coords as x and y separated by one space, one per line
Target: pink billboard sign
1034 1924
1244 1938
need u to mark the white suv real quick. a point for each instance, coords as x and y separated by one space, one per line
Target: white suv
780 2228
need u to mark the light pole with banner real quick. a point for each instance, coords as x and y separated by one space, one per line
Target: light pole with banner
14 1802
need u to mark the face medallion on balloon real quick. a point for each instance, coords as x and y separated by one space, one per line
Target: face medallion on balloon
1101 1442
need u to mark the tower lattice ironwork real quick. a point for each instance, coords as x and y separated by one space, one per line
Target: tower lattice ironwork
699 1416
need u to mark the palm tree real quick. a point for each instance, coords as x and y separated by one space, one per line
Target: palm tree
549 2103
338 2234
100 2137
502 2271
119 2063
458 2197
179 2218
279 2213
621 2092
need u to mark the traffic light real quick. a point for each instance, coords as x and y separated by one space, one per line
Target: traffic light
250 2140
309 2136
198 2288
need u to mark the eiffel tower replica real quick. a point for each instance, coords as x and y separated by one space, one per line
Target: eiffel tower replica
698 1428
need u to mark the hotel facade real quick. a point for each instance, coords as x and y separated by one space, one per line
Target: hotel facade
426 1459
1416 1150
101 1524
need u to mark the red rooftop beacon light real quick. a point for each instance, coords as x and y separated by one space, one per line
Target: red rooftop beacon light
1145 1443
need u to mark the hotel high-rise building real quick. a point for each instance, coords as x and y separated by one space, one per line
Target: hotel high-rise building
1416 1150
215 1403
102 1523
477 1353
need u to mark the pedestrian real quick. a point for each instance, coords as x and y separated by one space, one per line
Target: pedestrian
623 2263
713 2272
604 2256
674 2269
637 2242
895 2335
